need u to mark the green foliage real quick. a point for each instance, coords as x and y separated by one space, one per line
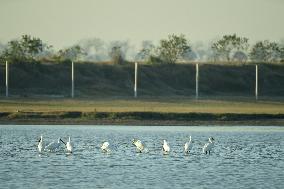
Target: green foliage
154 60
240 56
282 54
265 51
147 53
173 48
72 53
117 55
14 52
223 48
31 46
229 48
23 50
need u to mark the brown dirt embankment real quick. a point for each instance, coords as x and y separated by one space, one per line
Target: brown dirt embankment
140 118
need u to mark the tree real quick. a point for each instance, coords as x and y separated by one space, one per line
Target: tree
240 56
2 47
71 53
147 51
265 51
224 47
14 52
173 48
118 50
202 51
282 54
191 56
95 49
24 49
116 55
31 46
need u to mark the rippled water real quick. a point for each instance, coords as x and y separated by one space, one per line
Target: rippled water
243 157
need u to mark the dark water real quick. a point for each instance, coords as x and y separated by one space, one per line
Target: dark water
243 157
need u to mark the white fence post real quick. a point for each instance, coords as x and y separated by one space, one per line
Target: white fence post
135 80
7 79
196 81
256 82
72 78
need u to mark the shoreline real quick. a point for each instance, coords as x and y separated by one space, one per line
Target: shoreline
140 119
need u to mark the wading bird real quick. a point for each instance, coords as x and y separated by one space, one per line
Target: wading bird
166 147
208 146
138 144
40 144
53 146
105 146
187 146
68 145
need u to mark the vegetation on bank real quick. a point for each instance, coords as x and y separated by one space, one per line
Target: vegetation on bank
143 111
140 118
164 105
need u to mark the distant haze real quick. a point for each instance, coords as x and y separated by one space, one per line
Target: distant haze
62 23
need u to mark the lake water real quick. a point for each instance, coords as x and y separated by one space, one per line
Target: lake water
243 157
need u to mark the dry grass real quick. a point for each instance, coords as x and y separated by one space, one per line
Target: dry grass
173 105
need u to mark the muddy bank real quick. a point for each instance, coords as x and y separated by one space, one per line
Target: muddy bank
140 118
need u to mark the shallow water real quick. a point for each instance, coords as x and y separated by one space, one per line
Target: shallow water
243 157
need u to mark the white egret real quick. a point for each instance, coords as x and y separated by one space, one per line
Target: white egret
187 146
53 146
69 146
166 147
40 144
105 146
208 146
138 144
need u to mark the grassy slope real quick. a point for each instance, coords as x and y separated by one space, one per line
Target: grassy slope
176 105
141 112
102 80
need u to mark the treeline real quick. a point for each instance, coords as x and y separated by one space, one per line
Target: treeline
174 49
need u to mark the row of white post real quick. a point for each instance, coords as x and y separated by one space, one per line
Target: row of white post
135 80
7 79
72 80
197 81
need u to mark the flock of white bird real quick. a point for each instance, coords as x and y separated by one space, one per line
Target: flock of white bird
54 146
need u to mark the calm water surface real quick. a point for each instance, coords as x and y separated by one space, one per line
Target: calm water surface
243 157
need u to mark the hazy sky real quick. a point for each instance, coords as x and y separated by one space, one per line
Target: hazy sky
64 22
